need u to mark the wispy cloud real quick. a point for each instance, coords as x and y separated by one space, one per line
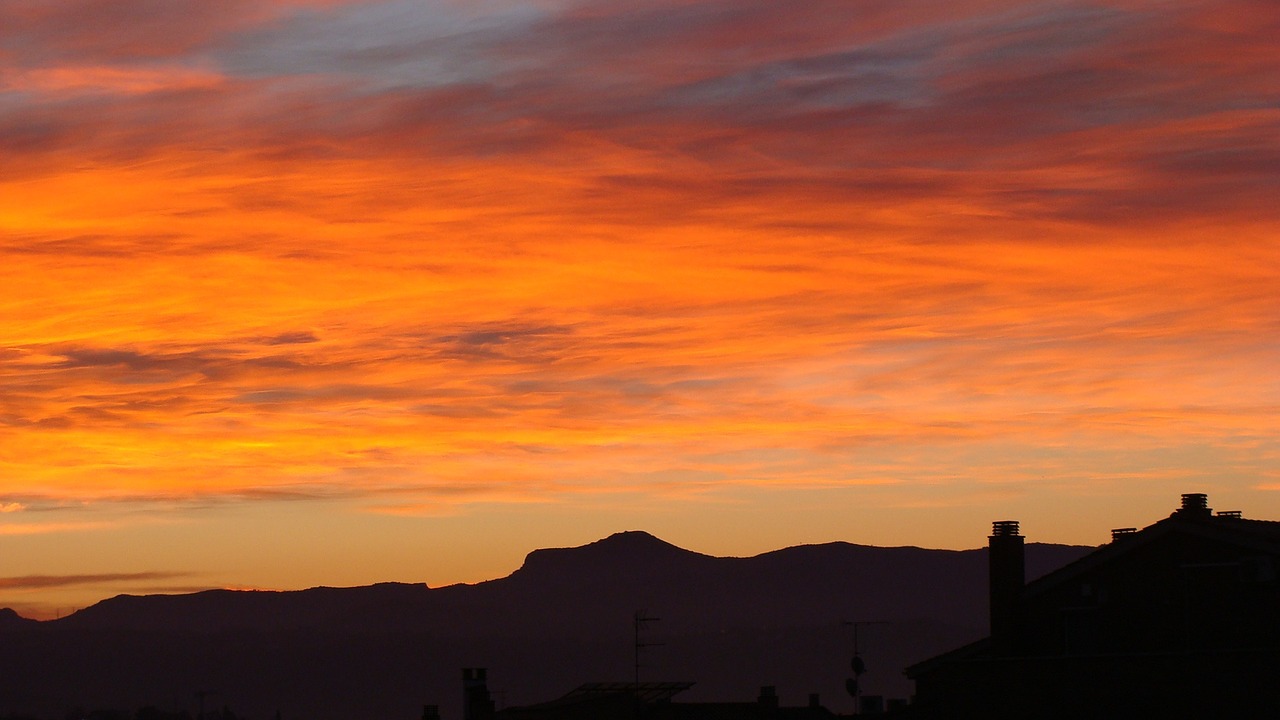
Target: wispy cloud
419 257
42 582
48 528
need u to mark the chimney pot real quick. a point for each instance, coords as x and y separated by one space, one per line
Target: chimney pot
1194 501
1004 528
768 696
1195 505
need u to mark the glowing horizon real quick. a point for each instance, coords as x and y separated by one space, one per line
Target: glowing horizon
306 292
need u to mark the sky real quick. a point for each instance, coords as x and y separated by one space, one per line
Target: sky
314 292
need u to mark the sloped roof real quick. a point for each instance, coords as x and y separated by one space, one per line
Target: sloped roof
1262 536
974 649
647 692
589 693
627 700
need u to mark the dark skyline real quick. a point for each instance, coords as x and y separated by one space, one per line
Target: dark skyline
564 618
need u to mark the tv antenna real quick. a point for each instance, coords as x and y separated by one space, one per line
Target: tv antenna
201 695
641 619
854 684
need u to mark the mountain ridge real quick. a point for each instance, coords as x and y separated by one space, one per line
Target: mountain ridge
609 555
563 617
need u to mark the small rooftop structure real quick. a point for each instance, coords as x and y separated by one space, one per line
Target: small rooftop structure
646 701
1180 619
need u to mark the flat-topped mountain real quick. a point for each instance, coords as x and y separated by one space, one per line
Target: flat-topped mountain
625 552
564 617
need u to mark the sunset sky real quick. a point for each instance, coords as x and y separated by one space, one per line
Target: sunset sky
302 292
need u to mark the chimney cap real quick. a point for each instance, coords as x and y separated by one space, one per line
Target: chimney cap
1194 501
1117 533
1004 528
1195 505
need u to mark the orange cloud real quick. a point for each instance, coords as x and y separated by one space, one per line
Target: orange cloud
992 250
39 582
49 527
107 79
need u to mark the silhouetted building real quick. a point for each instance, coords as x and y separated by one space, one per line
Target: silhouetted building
1178 620
477 702
636 701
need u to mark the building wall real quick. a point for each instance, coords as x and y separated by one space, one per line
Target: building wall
1102 687
1176 593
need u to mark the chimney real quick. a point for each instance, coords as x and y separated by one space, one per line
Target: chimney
477 703
1195 505
1007 574
768 696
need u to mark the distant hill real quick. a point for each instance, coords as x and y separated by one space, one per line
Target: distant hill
563 618
10 620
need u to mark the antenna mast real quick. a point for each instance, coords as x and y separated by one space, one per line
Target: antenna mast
640 619
854 684
201 695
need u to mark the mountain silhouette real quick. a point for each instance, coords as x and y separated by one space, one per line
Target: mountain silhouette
564 617
632 551
381 605
10 620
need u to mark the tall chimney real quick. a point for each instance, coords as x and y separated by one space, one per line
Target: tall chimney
477 703
1006 564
